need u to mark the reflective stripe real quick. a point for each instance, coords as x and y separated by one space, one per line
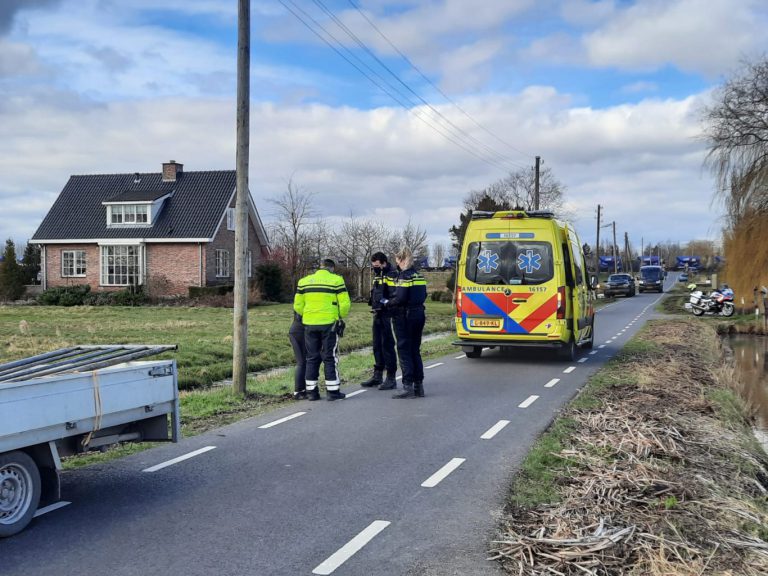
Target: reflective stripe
311 384
310 289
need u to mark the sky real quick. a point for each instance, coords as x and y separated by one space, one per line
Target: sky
420 102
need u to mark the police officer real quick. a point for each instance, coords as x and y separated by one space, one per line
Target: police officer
296 336
407 307
322 301
382 288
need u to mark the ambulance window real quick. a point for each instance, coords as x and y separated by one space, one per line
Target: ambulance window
578 262
509 262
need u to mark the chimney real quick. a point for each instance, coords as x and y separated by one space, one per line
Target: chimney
172 170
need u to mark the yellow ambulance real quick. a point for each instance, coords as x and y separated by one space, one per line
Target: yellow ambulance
521 280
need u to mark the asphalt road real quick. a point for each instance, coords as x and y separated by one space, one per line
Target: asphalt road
368 485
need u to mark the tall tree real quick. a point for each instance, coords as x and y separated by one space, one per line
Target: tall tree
11 274
293 211
515 191
31 262
356 241
736 129
438 253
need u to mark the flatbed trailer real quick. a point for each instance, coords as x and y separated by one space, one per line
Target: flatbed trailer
71 401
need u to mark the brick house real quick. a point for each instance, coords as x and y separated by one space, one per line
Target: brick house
167 231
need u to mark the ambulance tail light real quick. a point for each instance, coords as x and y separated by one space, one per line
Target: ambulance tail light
457 300
561 303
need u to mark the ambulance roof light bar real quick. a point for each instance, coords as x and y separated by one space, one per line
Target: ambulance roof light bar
511 214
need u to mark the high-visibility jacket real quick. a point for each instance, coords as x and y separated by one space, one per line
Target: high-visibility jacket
321 298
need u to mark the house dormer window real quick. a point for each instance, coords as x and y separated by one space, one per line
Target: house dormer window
119 214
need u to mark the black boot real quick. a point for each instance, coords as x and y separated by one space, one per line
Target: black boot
300 395
374 380
335 395
313 394
390 383
418 389
406 393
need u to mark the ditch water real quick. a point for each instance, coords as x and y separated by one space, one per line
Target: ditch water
750 356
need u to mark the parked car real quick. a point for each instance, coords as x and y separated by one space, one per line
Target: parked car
617 284
683 277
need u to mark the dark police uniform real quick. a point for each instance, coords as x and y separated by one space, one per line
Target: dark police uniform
322 300
408 314
296 336
384 357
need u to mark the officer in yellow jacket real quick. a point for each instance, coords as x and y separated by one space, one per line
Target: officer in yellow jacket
322 301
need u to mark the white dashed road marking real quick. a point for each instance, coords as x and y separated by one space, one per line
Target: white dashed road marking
433 366
442 474
351 548
355 393
495 429
593 352
569 369
51 508
528 401
460 357
582 360
287 418
601 346
551 383
167 463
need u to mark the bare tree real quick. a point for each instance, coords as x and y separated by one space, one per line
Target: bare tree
356 241
293 210
736 129
438 253
415 237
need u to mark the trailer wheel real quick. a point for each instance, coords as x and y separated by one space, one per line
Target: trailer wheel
19 492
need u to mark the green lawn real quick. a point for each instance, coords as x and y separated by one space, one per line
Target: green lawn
204 335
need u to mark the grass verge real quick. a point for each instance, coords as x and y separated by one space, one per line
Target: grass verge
203 335
652 469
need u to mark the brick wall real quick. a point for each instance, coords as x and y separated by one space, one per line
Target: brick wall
225 240
172 268
53 266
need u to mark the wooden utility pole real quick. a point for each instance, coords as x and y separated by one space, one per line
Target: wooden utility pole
626 253
240 340
615 252
597 242
536 184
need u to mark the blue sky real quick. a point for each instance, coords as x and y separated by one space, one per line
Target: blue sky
609 93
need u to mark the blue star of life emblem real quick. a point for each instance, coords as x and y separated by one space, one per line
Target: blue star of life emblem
529 262
487 261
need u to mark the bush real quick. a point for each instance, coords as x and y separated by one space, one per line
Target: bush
269 278
205 291
65 295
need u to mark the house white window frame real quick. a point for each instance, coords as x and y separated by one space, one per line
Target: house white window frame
129 214
250 261
223 263
231 219
138 263
77 262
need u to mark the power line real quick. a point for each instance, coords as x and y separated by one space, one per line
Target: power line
435 86
396 96
489 149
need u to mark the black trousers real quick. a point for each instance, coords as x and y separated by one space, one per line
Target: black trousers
384 356
409 327
300 355
322 346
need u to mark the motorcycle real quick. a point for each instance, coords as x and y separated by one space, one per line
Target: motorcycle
719 302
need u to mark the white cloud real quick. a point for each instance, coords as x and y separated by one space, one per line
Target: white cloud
587 13
384 162
640 86
706 36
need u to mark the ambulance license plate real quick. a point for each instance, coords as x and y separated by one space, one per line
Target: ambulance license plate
484 323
